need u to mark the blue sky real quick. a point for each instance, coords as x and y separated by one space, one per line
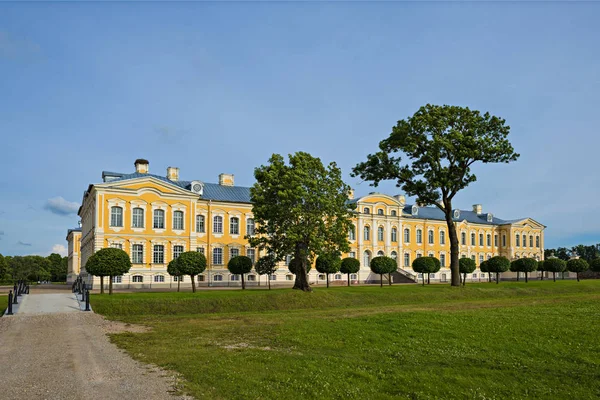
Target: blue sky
219 87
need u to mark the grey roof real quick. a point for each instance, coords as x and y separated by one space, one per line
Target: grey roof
212 191
465 215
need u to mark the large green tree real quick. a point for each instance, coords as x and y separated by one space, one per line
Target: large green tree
466 266
266 265
595 265
191 263
350 265
109 262
240 265
3 267
58 267
328 263
588 253
430 155
300 208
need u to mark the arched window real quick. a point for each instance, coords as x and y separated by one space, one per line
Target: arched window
406 235
394 213
159 219
250 226
504 240
442 237
234 226
200 223
394 255
380 234
394 235
366 210
116 216
430 237
367 232
137 218
380 211
217 256
419 236
367 258
481 239
380 253
217 224
178 220
443 260
352 233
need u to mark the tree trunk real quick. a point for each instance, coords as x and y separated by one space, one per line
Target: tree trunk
428 278
454 249
193 284
380 280
489 277
301 282
269 281
390 279
464 279
423 275
554 276
518 276
101 285
577 276
178 282
348 279
526 278
542 275
327 279
497 278
110 284
243 282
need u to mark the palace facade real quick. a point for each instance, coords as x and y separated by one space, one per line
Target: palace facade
155 218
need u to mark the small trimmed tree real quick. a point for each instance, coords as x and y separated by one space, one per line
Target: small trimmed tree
554 265
527 265
577 265
383 265
173 270
240 265
191 263
350 265
109 262
328 263
515 267
498 265
424 265
483 267
595 265
540 268
266 265
466 266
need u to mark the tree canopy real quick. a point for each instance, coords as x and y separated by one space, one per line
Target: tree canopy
108 262
498 264
350 265
466 266
191 263
300 208
173 270
525 265
426 265
240 265
383 265
328 263
555 265
266 265
430 155
577 265
595 265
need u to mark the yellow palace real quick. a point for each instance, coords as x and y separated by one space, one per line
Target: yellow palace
155 218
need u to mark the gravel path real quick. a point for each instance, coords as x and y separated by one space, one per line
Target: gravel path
68 356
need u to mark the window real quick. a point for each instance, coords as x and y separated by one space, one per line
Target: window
419 255
352 254
137 254
406 235
233 253
480 259
178 278
489 239
380 212
250 226
473 257
217 256
366 210
178 220
503 240
430 255
337 277
177 250
251 278
472 239
321 277
200 223
380 234
367 233
443 260
419 236
406 260
496 240
442 237
537 241
474 275
517 241
463 238
117 279
218 224
138 218
273 277
158 254
352 233
394 213
251 254
394 235
217 278
353 276
137 279
289 277
159 278
530 241
367 258
115 245
394 255
481 239
380 253
432 276
430 237
234 226
200 250
235 277
200 278
159 219
116 216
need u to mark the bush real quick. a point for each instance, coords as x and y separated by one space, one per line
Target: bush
554 265
240 265
350 265
577 265
191 263
466 266
498 265
328 264
426 265
383 265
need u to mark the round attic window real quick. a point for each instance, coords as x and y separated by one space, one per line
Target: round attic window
197 187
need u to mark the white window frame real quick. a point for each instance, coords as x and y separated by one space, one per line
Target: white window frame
158 254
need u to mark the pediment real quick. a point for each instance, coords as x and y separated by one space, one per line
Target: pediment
145 185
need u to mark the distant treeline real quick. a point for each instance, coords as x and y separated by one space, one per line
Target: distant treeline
33 268
588 253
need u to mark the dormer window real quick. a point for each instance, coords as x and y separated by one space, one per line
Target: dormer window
456 214
366 210
490 217
415 210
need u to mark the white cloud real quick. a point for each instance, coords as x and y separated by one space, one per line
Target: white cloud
60 206
59 249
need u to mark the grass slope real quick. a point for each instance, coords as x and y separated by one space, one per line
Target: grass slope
485 341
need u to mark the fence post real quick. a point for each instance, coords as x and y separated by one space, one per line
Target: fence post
10 300
87 300
15 298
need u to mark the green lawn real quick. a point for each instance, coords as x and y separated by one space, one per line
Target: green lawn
513 340
3 304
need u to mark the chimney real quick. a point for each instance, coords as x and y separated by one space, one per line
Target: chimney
400 198
173 174
141 166
351 194
226 179
477 208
